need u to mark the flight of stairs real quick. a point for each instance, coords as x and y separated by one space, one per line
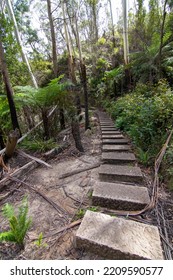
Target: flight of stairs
120 187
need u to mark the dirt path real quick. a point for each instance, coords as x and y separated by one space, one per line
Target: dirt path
70 196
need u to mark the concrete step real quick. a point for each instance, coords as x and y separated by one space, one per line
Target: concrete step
118 148
109 132
120 173
111 136
118 238
115 141
118 158
107 126
109 129
120 196
107 123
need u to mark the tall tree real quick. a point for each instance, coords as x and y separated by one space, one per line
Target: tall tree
8 87
24 56
112 23
53 37
125 32
161 37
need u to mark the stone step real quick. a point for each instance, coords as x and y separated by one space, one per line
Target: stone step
120 196
120 173
107 123
112 148
118 158
115 141
109 132
107 126
109 129
111 136
118 238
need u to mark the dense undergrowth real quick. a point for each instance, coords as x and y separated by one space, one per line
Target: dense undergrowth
146 115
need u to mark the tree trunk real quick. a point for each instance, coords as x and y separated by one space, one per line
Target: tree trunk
76 135
125 33
24 57
53 37
8 88
84 83
83 77
2 145
161 38
11 143
28 116
61 119
112 24
45 119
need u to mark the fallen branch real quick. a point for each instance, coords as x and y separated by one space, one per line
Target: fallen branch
34 158
18 172
65 175
54 205
69 226
52 153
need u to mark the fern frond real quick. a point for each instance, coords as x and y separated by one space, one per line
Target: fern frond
7 236
8 211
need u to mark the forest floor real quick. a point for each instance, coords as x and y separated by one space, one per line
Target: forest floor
66 200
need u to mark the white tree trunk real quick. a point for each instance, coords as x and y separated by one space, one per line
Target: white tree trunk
125 32
24 57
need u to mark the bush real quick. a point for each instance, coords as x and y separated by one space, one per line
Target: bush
145 115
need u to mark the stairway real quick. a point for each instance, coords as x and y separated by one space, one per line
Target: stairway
120 187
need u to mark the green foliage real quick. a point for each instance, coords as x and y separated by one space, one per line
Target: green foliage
146 115
38 145
39 242
80 213
19 224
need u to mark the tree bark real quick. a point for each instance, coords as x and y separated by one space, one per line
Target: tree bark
125 33
11 143
8 88
45 123
61 119
2 145
85 89
76 135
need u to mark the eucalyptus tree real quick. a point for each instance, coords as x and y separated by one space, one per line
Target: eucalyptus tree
125 32
53 37
112 23
18 38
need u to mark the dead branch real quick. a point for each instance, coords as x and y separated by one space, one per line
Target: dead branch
50 154
55 206
18 172
69 226
34 158
68 174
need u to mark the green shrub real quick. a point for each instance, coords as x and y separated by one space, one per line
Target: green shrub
38 145
145 115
